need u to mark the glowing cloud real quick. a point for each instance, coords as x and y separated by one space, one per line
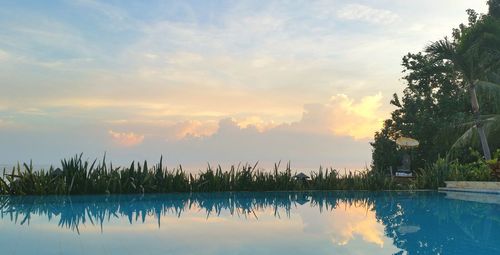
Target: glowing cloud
357 119
193 128
256 122
342 116
356 221
126 139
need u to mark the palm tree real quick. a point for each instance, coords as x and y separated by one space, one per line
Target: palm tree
475 54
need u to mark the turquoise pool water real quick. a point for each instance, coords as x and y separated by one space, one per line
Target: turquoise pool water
252 223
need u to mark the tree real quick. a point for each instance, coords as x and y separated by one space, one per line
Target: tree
385 153
431 105
435 107
474 53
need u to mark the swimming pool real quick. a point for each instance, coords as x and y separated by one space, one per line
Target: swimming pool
252 223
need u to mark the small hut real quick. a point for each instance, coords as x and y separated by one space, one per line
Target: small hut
301 177
302 199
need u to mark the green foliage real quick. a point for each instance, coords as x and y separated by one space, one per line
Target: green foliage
434 175
496 155
494 8
366 180
475 171
79 177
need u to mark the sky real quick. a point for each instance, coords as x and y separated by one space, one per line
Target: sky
219 82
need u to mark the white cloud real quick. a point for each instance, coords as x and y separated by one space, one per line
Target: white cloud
367 14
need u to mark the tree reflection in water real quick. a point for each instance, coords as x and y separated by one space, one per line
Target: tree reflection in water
418 222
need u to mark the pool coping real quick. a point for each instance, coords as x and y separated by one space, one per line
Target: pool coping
470 190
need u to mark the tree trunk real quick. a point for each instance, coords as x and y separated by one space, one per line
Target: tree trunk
479 124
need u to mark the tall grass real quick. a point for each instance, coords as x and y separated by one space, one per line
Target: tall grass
78 177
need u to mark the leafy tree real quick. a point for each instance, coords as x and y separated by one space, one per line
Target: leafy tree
432 102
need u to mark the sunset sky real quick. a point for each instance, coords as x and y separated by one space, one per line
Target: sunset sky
207 81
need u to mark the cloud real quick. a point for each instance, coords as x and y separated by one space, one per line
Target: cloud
356 221
126 139
358 119
210 82
110 11
232 144
256 122
192 129
184 58
4 55
334 133
366 13
32 111
342 116
347 222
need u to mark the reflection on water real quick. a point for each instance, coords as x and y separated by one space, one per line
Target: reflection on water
250 223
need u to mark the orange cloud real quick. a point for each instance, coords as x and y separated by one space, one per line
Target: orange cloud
342 116
126 139
357 119
194 128
345 224
257 122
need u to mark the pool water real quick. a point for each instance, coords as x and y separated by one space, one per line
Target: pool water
252 223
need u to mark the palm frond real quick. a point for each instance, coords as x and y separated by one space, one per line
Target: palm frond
494 77
492 125
442 50
470 137
463 141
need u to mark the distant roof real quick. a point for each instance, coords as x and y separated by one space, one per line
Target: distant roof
301 176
